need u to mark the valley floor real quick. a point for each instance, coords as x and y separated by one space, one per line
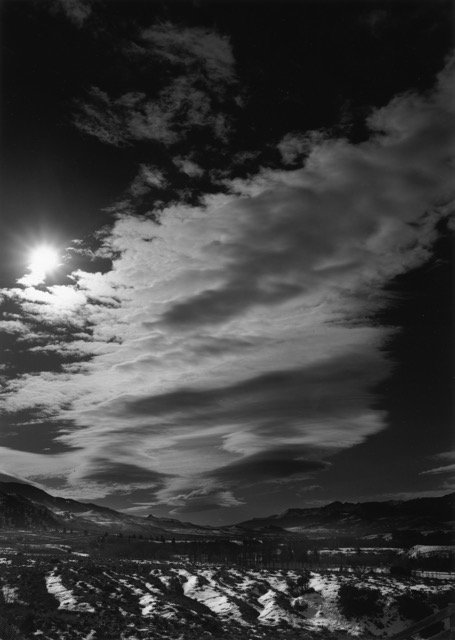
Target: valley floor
76 597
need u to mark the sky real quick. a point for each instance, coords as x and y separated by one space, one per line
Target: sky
250 209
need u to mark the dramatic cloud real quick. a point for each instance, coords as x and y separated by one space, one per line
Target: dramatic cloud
233 343
353 216
278 463
129 476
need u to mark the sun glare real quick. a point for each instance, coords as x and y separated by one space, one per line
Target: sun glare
42 261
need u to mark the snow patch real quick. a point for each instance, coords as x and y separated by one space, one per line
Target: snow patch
273 611
430 550
10 593
65 596
212 595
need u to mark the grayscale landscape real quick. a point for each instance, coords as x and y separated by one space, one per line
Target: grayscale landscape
77 571
227 234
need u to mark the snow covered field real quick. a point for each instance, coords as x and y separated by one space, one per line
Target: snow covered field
79 598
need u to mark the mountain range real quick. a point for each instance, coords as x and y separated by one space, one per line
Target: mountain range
364 518
26 506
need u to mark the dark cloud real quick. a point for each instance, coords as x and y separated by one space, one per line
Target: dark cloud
267 465
109 472
211 346
271 426
218 306
321 389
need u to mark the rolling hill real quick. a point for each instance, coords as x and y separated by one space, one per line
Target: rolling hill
23 505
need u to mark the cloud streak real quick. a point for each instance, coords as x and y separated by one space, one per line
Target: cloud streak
449 468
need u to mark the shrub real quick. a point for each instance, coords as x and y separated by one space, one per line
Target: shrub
300 605
359 601
443 599
27 624
415 607
400 571
299 585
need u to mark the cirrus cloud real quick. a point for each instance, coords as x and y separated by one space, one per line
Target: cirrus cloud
197 96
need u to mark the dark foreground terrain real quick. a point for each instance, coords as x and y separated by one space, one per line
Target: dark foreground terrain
51 594
76 571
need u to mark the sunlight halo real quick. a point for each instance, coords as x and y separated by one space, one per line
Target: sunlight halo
43 260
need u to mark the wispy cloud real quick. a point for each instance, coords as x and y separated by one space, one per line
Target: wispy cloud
190 46
179 109
76 10
448 468
203 78
445 487
149 177
188 166
447 456
233 342
295 146
203 499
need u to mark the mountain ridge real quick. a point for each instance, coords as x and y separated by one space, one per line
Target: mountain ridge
419 514
24 505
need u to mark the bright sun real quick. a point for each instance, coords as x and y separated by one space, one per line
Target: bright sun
42 260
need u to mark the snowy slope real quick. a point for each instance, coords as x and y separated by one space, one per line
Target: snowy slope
80 595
